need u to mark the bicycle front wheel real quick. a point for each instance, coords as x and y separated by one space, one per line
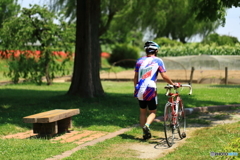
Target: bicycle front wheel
168 125
181 121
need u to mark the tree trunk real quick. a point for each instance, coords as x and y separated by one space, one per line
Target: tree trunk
86 79
182 39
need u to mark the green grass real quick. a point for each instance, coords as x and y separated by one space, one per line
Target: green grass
34 149
198 146
205 141
116 110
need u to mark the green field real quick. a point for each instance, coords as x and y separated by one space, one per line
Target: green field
117 109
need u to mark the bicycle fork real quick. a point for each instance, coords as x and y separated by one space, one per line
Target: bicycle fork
174 114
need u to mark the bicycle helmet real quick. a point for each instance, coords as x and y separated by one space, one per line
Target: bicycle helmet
151 47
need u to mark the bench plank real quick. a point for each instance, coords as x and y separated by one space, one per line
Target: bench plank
51 116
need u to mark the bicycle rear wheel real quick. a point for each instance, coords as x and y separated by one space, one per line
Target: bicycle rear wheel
168 125
181 121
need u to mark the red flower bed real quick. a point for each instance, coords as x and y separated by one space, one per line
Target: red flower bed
16 53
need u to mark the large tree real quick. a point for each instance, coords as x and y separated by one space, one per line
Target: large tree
90 26
86 79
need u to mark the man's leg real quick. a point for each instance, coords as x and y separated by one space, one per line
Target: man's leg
143 116
146 130
152 106
151 117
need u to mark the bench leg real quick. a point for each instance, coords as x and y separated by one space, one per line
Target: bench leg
64 124
53 128
45 128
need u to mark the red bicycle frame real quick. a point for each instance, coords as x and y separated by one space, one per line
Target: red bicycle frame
174 100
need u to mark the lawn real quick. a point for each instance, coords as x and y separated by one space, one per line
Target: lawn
116 110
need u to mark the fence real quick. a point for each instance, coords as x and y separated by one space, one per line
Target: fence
204 69
195 69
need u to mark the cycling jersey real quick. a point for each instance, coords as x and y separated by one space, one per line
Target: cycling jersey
147 69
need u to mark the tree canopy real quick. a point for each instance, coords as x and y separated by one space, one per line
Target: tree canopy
8 8
212 10
130 20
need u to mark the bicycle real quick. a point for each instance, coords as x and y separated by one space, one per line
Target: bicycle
174 115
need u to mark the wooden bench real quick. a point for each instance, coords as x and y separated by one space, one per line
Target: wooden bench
52 122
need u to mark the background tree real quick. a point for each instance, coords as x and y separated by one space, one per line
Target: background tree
212 10
176 19
36 26
8 8
171 19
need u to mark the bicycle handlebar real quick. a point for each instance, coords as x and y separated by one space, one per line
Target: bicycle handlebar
169 87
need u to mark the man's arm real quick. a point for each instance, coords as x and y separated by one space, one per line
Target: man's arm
166 78
135 79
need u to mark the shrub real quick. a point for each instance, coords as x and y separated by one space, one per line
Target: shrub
227 40
124 55
37 25
199 49
167 42
220 40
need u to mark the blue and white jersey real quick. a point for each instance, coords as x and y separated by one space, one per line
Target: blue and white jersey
147 69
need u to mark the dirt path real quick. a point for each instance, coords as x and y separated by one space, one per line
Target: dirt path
157 148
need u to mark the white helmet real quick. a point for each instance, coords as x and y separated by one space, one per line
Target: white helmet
151 47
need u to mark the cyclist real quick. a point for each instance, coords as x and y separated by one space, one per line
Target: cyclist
146 72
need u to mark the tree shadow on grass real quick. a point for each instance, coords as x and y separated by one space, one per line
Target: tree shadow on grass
113 109
155 140
128 136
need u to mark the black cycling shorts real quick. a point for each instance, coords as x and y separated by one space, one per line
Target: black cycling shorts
150 104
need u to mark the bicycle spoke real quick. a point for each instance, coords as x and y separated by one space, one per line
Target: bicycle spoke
181 122
168 126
